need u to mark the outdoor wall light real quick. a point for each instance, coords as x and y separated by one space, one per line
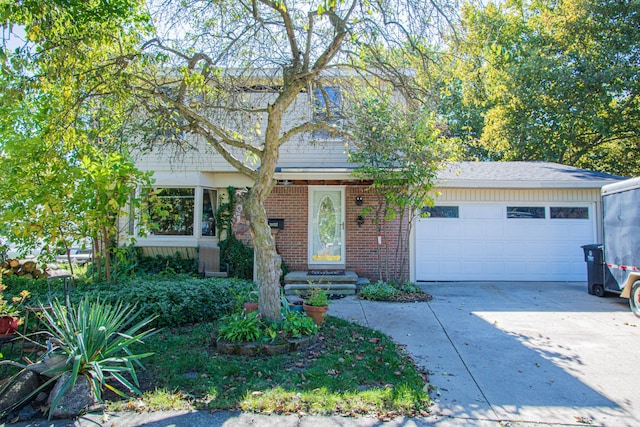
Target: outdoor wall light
359 201
360 220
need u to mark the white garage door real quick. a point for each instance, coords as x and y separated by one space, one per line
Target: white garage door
500 242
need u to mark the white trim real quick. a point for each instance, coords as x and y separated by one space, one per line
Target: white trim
314 173
472 183
311 190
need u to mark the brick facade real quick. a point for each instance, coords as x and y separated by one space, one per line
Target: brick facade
291 203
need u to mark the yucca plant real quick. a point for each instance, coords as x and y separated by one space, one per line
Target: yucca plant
96 337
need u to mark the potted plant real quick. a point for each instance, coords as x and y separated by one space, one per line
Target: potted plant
10 311
316 305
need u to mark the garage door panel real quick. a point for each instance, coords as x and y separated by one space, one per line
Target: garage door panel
475 230
448 230
486 212
482 244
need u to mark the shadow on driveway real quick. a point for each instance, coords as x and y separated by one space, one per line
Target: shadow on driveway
535 352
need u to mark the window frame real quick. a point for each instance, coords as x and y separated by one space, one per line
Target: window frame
573 209
319 109
214 207
441 211
511 214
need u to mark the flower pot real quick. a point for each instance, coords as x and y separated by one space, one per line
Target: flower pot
316 313
295 307
8 324
250 306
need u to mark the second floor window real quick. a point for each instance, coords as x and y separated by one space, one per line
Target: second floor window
327 108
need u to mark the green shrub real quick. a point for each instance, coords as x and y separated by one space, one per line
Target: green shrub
250 327
409 288
238 257
297 325
175 299
181 299
93 340
378 291
241 328
174 264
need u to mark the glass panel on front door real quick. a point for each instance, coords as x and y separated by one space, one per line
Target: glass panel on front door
327 227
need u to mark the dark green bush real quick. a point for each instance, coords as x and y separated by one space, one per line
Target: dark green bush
238 257
175 299
392 291
175 264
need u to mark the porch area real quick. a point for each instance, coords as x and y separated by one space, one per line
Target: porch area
334 282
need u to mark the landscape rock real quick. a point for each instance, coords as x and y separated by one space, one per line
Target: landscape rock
53 361
22 386
74 400
27 413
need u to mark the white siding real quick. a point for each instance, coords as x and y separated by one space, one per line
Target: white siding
301 151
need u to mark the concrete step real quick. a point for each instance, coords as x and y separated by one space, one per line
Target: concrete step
303 289
305 277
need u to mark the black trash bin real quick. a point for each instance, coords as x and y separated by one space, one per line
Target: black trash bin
594 257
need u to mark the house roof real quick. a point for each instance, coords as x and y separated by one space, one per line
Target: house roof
521 175
483 175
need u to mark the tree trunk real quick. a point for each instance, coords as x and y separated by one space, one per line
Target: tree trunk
267 262
266 257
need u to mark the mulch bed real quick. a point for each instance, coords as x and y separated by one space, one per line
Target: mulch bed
410 297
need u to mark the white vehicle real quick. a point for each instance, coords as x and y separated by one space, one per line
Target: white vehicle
78 256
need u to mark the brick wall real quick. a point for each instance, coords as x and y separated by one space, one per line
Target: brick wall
291 203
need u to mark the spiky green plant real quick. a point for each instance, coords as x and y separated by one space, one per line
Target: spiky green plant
96 337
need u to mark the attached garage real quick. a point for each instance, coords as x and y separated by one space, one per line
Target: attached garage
521 221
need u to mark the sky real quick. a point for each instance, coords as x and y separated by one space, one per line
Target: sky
14 38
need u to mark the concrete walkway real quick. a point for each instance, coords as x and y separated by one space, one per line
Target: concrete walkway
518 352
498 354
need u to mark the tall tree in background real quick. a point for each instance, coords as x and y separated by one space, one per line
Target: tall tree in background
549 80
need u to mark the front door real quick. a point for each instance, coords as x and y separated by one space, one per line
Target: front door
326 227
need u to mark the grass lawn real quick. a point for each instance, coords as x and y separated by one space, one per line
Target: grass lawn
349 370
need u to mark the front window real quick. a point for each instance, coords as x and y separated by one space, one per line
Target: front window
171 211
208 212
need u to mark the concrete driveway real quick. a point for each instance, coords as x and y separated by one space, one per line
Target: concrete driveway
518 352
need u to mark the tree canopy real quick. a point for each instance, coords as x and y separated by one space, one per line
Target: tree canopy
400 147
549 80
66 173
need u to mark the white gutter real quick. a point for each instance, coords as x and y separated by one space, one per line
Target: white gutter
314 173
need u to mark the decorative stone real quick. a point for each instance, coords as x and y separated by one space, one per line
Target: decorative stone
276 348
255 348
74 400
298 344
23 385
53 361
27 413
